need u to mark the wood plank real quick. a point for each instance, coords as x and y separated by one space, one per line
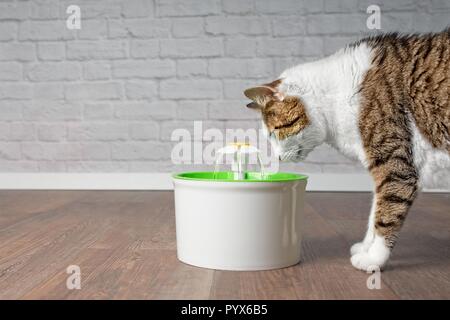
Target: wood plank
124 243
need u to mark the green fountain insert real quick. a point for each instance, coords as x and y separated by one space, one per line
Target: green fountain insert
228 176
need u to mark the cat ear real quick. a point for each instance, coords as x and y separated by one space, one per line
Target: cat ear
254 105
261 95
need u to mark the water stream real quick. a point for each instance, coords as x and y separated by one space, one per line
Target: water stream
241 158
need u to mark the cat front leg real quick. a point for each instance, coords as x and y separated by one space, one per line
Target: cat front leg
364 245
396 187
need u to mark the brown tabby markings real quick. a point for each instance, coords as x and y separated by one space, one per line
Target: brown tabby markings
409 81
284 117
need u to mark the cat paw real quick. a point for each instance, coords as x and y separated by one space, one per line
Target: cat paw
374 258
359 247
365 261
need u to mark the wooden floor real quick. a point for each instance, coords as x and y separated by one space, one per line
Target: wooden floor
124 243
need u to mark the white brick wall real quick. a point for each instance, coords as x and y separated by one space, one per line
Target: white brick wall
107 97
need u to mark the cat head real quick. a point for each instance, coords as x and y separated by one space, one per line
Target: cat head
286 120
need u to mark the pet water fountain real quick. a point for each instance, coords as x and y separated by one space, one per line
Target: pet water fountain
239 219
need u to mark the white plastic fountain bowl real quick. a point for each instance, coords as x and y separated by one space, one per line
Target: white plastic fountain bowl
249 224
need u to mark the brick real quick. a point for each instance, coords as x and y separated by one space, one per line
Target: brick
188 48
148 69
33 151
187 27
323 24
305 46
144 48
234 68
19 91
4 131
22 131
10 71
316 6
51 166
140 150
391 22
144 130
96 71
241 130
51 132
45 30
139 28
98 131
151 166
388 6
343 6
11 110
326 154
238 6
52 51
158 110
237 25
18 166
168 127
137 8
8 31
42 110
65 151
192 110
9 151
281 64
184 89
333 44
44 9
98 111
336 24
93 29
231 110
95 151
17 51
191 68
281 6
93 9
240 47
93 91
48 91
305 167
439 6
14 10
141 90
54 71
176 8
292 26
227 68
82 50
97 166
355 24
234 89
342 168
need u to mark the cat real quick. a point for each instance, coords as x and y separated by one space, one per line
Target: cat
383 100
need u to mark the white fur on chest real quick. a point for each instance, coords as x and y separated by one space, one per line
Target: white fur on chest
329 89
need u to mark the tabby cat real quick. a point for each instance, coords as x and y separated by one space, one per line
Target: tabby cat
383 100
